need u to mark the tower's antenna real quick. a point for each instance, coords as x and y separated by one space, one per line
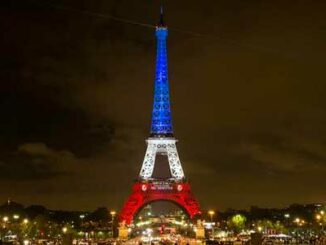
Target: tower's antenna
161 15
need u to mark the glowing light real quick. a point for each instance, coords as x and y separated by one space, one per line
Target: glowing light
260 228
5 219
211 213
322 212
64 229
287 216
318 217
26 242
209 225
113 213
25 221
15 216
143 223
176 222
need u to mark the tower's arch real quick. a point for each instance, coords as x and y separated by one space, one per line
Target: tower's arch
146 193
155 202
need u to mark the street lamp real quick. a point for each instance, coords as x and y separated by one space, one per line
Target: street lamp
113 213
211 213
320 219
299 222
5 219
64 230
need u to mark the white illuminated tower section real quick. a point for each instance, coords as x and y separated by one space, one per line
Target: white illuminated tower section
161 140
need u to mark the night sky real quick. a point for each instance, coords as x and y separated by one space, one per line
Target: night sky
247 87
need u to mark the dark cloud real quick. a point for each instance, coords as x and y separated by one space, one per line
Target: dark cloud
248 100
29 115
35 161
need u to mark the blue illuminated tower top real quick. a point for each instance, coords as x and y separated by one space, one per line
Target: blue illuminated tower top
161 115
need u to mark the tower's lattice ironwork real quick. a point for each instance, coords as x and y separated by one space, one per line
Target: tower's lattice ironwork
161 141
161 116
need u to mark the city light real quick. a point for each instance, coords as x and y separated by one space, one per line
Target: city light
211 212
299 222
149 230
142 223
176 222
146 227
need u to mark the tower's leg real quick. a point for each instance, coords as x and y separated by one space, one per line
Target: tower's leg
149 160
174 161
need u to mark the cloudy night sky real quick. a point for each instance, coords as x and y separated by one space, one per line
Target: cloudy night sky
247 88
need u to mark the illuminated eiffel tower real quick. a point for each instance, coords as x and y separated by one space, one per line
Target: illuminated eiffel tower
161 142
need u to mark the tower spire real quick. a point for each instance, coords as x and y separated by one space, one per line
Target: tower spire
161 15
161 115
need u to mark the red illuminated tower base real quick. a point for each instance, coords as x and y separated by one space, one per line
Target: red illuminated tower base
144 193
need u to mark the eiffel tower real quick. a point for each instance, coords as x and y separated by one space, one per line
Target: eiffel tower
148 189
